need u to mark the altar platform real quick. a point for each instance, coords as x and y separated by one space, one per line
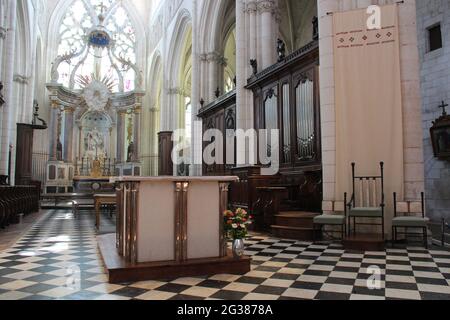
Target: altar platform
120 271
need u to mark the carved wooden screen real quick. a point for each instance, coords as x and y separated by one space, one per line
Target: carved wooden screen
271 115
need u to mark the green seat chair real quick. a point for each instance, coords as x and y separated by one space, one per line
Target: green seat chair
336 220
409 222
367 202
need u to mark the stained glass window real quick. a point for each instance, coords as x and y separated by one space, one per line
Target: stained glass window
99 40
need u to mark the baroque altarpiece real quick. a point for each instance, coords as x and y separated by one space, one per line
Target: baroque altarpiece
96 99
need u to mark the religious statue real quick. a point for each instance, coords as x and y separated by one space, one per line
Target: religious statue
254 65
217 93
130 152
59 150
36 119
2 101
94 141
281 50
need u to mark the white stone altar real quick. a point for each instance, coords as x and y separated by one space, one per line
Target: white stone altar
170 226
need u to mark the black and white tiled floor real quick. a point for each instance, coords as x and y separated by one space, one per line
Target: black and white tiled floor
58 259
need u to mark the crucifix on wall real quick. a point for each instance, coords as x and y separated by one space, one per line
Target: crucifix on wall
443 106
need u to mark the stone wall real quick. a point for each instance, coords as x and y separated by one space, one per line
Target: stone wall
435 80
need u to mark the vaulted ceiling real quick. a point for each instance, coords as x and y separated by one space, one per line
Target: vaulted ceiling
296 22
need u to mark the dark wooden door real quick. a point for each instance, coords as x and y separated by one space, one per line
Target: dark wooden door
24 154
165 154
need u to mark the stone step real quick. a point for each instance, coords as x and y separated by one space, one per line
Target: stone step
294 233
364 242
295 219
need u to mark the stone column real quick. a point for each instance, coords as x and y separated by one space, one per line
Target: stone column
3 31
68 136
80 141
203 69
267 10
252 7
196 134
137 135
327 103
177 108
8 127
213 58
153 146
30 89
120 136
53 131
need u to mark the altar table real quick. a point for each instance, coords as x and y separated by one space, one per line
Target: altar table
170 227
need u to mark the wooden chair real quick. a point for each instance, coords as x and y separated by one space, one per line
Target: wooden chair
334 220
367 201
410 220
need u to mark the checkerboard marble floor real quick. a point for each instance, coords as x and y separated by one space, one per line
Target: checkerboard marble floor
58 259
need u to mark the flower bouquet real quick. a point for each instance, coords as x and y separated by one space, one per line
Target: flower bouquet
236 229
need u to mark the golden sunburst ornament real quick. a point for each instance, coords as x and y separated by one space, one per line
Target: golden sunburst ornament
96 92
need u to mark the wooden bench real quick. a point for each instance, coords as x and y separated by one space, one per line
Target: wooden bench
101 200
68 197
82 204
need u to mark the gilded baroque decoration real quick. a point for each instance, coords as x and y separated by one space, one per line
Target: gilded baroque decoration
96 93
93 77
96 169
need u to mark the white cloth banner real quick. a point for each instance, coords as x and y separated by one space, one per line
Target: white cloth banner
369 121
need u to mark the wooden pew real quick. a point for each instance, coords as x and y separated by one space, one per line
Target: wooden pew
15 200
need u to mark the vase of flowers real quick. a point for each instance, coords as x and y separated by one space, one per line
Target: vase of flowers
236 229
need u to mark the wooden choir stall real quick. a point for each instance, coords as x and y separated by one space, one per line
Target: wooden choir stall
169 227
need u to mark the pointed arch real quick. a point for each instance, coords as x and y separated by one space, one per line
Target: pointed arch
155 72
60 11
216 19
153 118
182 28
